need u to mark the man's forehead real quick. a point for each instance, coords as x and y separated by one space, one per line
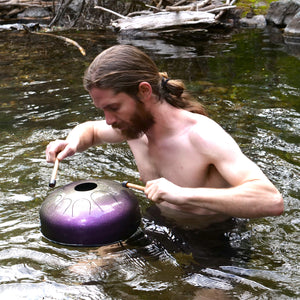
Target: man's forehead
102 93
101 97
106 97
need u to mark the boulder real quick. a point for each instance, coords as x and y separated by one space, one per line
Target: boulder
293 27
282 12
258 21
35 12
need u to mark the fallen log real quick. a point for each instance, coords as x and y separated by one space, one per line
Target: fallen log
163 20
194 6
15 3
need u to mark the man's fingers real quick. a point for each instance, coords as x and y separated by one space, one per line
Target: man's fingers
55 150
152 193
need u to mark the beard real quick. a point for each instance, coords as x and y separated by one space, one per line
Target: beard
139 123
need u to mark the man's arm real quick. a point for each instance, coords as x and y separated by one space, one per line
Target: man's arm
253 197
249 200
250 194
82 137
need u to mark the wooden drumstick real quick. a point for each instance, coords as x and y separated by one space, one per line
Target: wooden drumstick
133 186
52 181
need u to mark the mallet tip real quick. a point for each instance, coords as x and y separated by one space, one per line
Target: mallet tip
52 183
124 184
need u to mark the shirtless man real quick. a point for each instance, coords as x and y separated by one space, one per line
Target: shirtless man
188 162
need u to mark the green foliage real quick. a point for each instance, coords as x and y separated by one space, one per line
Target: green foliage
258 7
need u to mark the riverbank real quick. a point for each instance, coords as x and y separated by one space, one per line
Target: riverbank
85 15
171 19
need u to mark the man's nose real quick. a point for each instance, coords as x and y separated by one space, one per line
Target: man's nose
109 118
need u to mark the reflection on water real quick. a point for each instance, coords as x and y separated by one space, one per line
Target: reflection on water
249 85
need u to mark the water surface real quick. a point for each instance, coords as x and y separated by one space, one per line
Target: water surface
249 84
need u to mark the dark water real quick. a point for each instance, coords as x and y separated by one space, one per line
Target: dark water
249 84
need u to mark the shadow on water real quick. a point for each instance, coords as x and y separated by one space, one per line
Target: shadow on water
249 84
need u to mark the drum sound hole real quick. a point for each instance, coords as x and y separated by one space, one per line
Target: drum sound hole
87 186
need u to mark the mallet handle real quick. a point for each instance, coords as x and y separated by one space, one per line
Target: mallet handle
133 186
52 181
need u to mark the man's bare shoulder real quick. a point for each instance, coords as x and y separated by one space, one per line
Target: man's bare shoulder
210 137
206 124
207 129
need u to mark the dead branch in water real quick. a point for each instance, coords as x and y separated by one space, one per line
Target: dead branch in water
65 39
110 11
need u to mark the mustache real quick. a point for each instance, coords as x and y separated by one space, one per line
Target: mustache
130 131
118 126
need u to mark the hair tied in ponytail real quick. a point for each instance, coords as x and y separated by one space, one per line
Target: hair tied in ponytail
164 82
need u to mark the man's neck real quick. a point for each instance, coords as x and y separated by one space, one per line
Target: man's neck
169 120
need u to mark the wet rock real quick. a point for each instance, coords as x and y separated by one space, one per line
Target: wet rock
34 12
282 12
293 27
258 21
76 5
292 36
286 13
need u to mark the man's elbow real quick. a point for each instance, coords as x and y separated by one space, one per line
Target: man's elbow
277 206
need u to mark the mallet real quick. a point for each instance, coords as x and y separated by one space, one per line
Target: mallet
133 186
52 181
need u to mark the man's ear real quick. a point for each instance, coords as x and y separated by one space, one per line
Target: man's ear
145 90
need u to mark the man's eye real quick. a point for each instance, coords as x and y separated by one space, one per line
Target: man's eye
114 107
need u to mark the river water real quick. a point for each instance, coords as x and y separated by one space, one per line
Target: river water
248 82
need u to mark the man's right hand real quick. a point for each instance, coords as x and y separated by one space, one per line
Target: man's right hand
59 149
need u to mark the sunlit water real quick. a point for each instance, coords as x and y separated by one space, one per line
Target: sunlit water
249 85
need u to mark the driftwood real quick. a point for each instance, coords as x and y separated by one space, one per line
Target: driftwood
180 14
24 3
65 39
193 13
110 11
194 6
163 20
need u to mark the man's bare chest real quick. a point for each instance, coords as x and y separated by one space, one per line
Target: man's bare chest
178 162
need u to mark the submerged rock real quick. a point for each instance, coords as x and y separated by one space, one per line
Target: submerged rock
258 21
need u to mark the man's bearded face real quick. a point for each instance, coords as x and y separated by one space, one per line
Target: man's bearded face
141 121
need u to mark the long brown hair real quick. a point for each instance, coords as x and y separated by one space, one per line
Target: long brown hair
123 67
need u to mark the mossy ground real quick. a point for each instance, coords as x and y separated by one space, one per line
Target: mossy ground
258 7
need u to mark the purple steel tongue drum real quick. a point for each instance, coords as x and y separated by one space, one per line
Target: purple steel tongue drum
90 213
